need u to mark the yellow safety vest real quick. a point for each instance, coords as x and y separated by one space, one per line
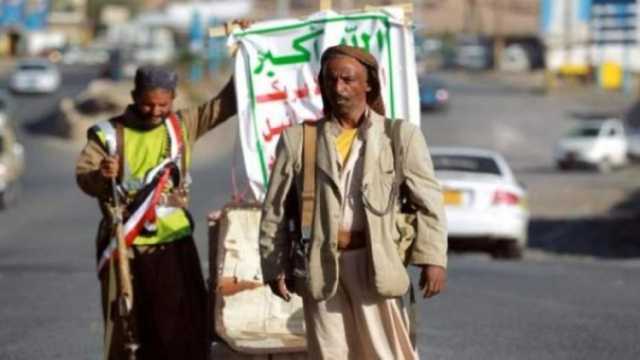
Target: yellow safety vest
144 150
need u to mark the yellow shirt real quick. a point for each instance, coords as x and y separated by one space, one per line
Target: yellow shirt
344 142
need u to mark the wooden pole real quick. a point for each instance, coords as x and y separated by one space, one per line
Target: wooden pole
325 5
498 37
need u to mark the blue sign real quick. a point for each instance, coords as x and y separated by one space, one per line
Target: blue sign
36 14
12 12
27 14
613 2
613 22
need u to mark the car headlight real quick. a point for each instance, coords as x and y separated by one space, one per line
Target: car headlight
442 95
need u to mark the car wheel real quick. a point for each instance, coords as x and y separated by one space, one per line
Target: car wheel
10 195
508 249
605 166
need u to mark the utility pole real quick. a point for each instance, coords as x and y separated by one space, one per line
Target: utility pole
472 24
325 4
498 36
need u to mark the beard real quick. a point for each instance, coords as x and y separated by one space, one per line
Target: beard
147 121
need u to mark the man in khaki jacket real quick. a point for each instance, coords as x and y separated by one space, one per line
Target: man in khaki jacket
355 273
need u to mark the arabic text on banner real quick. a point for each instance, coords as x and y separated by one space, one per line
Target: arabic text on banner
276 71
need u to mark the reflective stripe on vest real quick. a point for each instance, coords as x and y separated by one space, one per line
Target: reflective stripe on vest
106 133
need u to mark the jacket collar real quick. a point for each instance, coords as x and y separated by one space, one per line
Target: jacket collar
375 142
370 132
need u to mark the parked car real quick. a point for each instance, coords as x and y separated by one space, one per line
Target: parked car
599 143
474 53
92 55
35 76
433 93
485 205
522 56
11 156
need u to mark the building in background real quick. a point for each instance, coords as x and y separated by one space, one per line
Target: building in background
481 33
69 17
18 18
36 27
598 38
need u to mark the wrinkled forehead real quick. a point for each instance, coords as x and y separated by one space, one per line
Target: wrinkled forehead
341 63
155 96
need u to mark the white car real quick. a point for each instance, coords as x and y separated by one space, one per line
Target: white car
485 205
35 76
600 143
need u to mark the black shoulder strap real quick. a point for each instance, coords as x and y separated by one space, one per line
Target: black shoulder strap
392 129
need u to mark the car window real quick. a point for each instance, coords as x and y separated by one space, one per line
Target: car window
1 144
467 163
584 132
3 104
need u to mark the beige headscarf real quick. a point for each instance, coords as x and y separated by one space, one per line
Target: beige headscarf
374 97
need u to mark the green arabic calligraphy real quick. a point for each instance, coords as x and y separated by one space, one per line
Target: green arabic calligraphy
362 41
303 55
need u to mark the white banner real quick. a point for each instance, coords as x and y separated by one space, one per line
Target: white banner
276 71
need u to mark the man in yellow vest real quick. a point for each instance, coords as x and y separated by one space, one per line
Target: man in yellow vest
147 150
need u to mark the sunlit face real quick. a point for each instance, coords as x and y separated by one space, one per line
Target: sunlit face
346 85
153 105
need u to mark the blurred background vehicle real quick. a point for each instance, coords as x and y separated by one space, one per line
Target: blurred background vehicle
35 75
522 56
474 53
11 156
91 55
633 142
485 205
434 94
632 128
599 143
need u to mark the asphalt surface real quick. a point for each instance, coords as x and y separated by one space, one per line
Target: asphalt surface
575 295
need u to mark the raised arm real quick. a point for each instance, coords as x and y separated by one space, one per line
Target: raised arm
202 118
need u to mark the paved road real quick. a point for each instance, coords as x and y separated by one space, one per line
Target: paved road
547 306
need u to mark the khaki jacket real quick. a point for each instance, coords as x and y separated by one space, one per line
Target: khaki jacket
388 273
